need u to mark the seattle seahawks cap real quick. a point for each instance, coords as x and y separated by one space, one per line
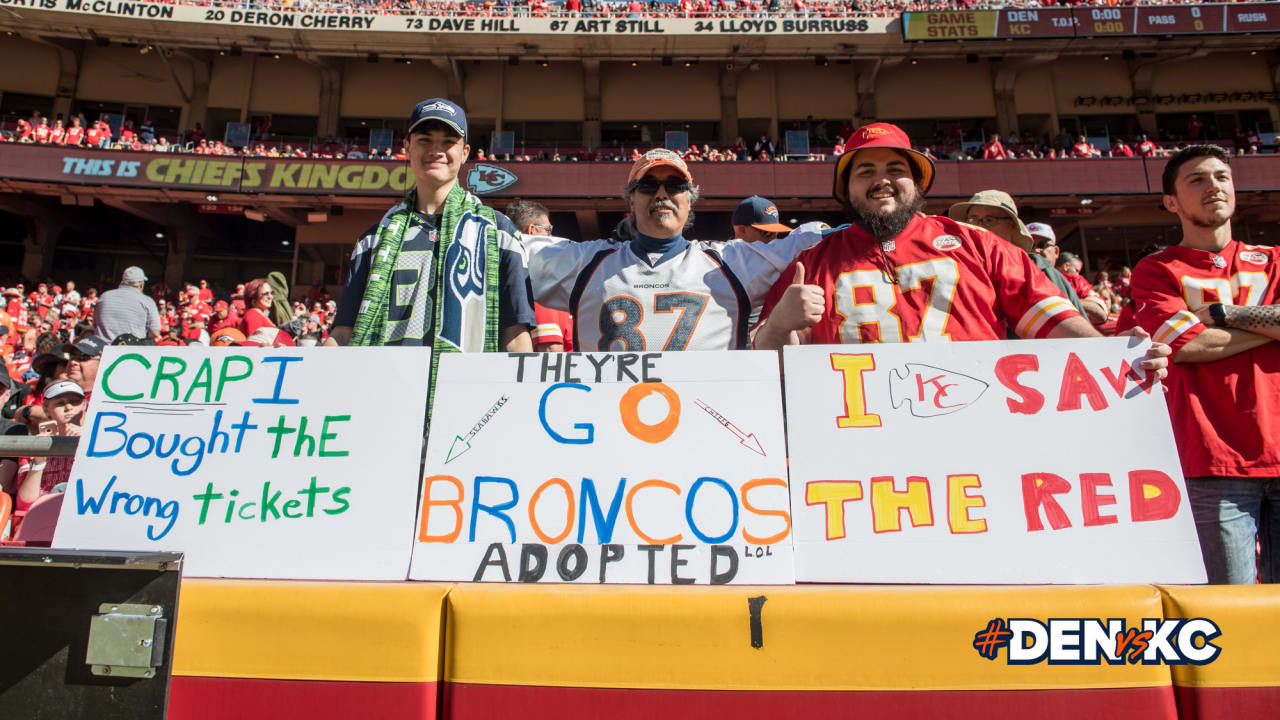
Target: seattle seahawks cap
438 109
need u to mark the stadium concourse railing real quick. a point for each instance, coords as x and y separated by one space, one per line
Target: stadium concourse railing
229 175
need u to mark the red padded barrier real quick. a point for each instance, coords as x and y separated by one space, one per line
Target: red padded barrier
468 701
206 698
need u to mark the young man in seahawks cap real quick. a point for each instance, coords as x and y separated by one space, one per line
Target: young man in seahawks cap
441 269
898 275
659 290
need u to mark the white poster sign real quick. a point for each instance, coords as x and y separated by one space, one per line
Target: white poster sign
985 462
274 463
660 468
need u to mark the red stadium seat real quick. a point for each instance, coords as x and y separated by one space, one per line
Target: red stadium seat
41 519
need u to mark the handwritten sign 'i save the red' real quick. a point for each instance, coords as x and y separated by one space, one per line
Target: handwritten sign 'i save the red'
986 462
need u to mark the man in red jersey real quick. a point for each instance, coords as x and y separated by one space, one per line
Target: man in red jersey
1213 300
896 275
1146 148
75 133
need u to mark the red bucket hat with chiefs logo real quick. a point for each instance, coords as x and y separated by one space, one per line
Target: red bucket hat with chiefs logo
880 135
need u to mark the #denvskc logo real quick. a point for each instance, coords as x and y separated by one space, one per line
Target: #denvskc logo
484 179
1091 641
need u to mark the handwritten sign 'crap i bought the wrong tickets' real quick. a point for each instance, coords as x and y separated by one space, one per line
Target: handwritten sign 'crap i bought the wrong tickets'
663 468
999 462
253 462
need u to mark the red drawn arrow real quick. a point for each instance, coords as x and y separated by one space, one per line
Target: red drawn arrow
748 440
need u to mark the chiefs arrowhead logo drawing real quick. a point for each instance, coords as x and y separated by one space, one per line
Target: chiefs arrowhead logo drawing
484 179
928 391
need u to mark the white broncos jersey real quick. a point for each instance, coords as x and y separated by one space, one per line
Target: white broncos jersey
697 296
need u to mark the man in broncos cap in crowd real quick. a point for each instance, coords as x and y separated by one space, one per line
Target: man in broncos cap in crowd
659 290
440 269
756 220
897 275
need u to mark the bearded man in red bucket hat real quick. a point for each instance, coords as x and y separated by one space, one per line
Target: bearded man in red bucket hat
897 275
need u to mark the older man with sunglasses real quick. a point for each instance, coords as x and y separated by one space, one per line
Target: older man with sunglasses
660 291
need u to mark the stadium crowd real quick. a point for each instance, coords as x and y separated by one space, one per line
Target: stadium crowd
822 144
767 286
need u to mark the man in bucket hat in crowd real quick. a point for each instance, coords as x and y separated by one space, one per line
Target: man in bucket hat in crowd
659 290
897 275
996 211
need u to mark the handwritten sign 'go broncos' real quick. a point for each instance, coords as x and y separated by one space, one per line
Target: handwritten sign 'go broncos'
1001 462
661 468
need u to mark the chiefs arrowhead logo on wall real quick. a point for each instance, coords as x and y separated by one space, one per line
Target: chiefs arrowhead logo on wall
484 179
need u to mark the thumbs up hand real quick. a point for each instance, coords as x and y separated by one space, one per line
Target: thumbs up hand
801 305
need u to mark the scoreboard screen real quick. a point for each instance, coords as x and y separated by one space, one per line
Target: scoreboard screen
1253 18
1181 20
1091 21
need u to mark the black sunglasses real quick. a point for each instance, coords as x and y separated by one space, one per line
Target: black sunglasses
650 185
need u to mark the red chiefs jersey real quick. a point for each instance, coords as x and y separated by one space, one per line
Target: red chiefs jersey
75 134
1080 285
954 282
553 326
1225 413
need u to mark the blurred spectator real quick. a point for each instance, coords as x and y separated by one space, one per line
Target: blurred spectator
40 133
763 148
1063 140
992 149
756 220
553 329
1084 149
257 324
126 309
83 357
1046 246
64 405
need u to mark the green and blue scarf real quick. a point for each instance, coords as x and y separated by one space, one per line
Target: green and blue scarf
468 237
